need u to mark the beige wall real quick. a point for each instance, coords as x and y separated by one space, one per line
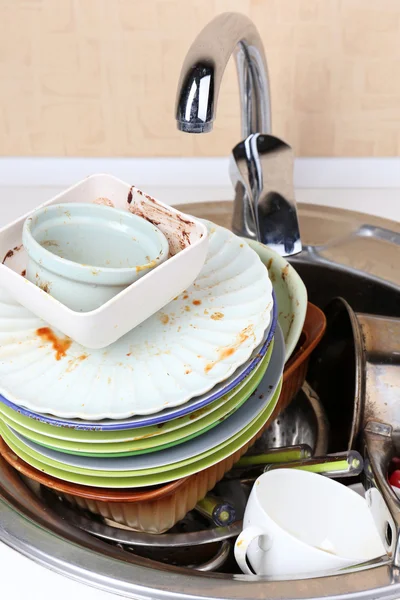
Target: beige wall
98 77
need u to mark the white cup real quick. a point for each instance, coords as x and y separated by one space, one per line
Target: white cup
297 522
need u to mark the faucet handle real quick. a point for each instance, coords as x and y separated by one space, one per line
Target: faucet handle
261 170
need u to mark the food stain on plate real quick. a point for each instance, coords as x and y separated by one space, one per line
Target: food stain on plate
60 345
227 351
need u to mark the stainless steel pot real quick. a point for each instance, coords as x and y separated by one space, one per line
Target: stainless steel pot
358 260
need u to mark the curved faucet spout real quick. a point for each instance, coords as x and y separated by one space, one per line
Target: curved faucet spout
203 69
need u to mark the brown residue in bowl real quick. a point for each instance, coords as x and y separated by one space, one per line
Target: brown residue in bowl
196 302
60 345
9 254
179 217
49 243
23 273
290 325
130 196
176 229
149 265
104 202
45 286
285 272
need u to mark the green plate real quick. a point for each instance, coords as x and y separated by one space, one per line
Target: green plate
68 468
151 444
152 479
126 435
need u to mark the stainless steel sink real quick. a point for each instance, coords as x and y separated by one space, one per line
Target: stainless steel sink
345 253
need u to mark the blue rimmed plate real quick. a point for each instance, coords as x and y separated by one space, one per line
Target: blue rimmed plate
166 415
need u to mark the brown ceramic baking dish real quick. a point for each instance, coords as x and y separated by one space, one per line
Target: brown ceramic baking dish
295 371
153 510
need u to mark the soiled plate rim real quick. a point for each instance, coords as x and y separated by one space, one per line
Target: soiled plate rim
162 417
189 452
192 430
169 476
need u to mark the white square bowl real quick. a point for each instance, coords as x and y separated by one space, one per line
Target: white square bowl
99 328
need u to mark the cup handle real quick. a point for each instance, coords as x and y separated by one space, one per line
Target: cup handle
248 535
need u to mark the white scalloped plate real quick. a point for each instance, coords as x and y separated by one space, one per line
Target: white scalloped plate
194 343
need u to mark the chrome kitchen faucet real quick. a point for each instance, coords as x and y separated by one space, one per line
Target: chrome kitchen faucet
261 165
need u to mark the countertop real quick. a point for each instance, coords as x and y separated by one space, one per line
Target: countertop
20 577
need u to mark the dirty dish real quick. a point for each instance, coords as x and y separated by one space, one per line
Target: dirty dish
291 294
119 426
187 240
296 367
152 479
184 453
299 523
76 431
149 442
84 254
183 351
153 509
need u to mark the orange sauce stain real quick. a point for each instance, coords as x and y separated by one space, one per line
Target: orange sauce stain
227 351
196 302
164 318
60 345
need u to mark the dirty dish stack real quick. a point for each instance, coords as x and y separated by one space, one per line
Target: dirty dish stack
173 403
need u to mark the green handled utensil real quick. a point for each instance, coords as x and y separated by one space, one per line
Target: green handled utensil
275 456
217 510
342 464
